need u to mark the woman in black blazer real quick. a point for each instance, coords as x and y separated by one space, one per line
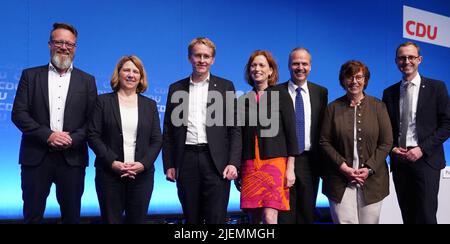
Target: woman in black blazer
269 145
125 135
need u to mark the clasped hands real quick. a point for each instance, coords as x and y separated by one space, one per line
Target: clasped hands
128 169
60 140
411 155
354 176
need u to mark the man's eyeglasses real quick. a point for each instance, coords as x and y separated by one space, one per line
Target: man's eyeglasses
60 44
409 58
200 56
358 78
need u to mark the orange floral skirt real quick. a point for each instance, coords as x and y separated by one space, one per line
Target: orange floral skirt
264 183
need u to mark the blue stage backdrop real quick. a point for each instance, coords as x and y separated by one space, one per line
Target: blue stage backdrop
159 31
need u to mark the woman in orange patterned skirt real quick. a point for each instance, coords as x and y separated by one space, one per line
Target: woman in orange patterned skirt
269 141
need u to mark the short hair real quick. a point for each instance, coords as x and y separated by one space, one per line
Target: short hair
405 44
300 49
202 40
350 68
65 26
115 79
273 79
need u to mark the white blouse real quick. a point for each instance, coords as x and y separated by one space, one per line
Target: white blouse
129 118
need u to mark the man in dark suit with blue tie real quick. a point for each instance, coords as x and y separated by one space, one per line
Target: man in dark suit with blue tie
51 108
310 101
419 110
201 156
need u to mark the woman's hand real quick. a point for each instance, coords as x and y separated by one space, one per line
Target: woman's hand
290 173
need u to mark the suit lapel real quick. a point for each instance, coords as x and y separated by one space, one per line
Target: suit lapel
73 85
116 110
43 80
140 115
314 99
423 95
212 86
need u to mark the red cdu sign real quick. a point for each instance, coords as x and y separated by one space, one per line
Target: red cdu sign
426 26
421 30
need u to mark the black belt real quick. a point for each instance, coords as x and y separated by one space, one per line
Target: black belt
306 153
196 147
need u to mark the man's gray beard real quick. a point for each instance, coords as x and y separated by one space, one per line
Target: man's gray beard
60 62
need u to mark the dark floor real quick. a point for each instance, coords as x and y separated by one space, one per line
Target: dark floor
322 217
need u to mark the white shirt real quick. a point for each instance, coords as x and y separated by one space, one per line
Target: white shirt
58 86
198 97
307 108
129 119
355 142
411 135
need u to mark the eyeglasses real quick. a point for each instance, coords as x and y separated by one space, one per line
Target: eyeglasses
409 58
200 56
358 78
60 44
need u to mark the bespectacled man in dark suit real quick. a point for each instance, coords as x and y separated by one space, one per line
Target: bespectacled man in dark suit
51 108
419 110
200 155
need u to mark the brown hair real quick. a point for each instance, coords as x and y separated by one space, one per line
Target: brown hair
65 26
405 44
273 79
143 83
350 68
202 40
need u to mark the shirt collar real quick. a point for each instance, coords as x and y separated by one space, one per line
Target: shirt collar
415 81
201 83
293 87
52 68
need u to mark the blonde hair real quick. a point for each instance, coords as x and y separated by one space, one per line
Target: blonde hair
143 83
202 40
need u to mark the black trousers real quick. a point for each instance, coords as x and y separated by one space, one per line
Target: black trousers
202 191
117 196
303 195
417 188
36 184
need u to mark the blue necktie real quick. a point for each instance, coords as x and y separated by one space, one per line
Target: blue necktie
300 119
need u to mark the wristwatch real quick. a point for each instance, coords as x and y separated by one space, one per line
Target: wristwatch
371 172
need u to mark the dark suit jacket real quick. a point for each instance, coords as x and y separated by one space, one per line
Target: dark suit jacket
31 115
318 96
432 119
224 142
284 142
105 132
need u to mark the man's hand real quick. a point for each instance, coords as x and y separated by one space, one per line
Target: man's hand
399 152
230 172
60 140
414 154
411 155
171 174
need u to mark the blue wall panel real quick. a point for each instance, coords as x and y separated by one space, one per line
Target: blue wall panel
159 32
